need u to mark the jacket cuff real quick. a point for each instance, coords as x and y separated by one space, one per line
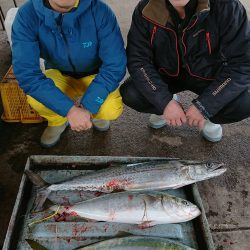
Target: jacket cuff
162 105
92 107
201 108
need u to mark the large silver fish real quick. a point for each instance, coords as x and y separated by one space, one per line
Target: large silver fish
146 209
157 175
137 243
127 243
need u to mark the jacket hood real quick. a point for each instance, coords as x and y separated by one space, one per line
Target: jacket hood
49 15
157 11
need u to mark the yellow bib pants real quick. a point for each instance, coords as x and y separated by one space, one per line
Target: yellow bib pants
111 109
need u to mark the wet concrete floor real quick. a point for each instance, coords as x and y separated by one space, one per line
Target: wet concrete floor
226 198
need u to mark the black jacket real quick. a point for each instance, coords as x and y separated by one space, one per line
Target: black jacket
214 47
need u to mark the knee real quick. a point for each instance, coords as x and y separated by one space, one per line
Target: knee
128 93
52 73
37 106
237 110
111 109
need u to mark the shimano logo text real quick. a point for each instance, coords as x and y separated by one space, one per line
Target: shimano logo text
147 78
222 86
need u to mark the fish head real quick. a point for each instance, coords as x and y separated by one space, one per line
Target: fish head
189 209
182 208
205 170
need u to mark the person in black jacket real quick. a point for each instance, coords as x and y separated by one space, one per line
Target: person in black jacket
197 45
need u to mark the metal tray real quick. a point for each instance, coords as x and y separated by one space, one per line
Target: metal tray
74 232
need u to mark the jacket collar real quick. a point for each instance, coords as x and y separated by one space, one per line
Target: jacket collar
157 12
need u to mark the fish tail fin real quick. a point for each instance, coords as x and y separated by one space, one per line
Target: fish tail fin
42 192
36 179
41 197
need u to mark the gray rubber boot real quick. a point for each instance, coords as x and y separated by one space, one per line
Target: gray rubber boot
158 121
101 125
212 132
51 135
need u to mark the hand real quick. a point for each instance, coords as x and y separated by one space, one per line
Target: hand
79 119
195 118
174 114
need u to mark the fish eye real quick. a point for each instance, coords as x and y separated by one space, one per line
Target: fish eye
184 203
209 164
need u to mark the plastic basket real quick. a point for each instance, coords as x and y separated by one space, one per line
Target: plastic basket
15 105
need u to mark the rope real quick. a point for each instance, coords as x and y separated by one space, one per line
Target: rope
44 219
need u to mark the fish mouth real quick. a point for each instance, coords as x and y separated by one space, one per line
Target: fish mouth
193 212
218 169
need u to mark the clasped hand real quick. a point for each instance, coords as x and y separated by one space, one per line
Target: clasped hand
175 115
79 119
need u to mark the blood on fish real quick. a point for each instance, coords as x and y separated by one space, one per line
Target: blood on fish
145 225
60 217
105 228
65 201
97 194
73 213
76 230
117 184
130 197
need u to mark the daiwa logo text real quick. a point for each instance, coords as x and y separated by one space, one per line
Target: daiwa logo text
87 44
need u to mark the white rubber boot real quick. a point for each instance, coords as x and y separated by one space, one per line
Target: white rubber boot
158 121
101 125
212 132
51 135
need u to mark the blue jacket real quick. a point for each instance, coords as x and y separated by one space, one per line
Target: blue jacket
80 42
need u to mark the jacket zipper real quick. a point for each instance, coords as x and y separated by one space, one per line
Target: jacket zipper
181 45
208 42
67 45
153 35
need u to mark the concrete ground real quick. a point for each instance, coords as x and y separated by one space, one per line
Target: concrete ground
226 198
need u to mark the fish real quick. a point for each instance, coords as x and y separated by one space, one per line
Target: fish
142 176
137 243
145 209
126 243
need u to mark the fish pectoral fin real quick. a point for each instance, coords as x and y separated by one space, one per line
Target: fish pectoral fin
146 224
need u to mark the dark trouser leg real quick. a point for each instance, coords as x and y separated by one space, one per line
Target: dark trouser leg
235 111
134 99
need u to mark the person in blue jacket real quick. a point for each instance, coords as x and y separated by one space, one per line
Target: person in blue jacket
85 60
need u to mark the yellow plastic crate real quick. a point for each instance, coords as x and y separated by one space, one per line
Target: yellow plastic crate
15 105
